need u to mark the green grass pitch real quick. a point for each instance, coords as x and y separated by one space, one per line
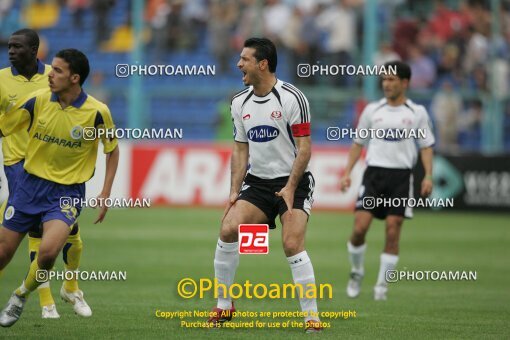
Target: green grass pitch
160 246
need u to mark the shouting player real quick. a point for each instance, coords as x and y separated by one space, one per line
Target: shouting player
58 162
26 75
388 175
272 134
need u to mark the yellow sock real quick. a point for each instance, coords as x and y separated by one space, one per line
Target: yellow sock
72 256
2 210
33 247
45 297
30 283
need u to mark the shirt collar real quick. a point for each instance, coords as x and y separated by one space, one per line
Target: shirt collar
77 103
40 68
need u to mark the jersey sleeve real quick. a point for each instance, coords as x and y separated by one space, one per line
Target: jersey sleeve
18 116
364 124
425 124
299 114
239 132
104 120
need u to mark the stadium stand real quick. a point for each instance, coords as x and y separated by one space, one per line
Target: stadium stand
444 41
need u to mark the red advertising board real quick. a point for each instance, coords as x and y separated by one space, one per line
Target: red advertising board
199 174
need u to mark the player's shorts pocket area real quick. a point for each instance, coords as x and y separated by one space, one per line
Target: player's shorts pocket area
261 193
12 174
381 187
38 200
303 199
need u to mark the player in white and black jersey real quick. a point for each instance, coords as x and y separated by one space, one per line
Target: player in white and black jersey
389 173
269 171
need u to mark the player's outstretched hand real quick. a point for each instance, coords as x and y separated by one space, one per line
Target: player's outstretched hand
288 196
103 208
231 200
345 183
426 187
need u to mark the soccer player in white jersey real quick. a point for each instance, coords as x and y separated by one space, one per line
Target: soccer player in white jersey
389 173
272 134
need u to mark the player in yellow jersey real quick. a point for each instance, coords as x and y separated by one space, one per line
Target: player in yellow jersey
26 75
58 162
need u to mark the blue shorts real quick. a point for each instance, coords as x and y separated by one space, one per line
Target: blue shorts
37 200
12 173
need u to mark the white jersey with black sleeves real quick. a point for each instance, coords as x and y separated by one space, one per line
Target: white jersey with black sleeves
269 125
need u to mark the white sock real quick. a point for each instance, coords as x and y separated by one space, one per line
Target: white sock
388 262
23 290
44 285
226 261
357 257
302 273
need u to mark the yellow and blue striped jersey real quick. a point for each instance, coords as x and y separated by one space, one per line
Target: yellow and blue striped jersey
57 150
17 87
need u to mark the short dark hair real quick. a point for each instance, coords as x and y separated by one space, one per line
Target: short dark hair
403 70
78 62
32 36
264 49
